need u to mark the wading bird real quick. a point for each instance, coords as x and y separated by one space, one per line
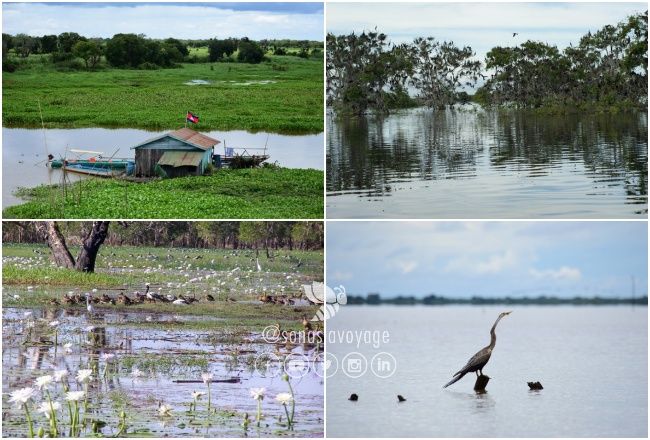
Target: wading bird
478 361
89 306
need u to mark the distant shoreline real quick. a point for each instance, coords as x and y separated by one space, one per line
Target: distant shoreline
376 300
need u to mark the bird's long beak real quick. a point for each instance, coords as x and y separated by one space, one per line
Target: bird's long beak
507 313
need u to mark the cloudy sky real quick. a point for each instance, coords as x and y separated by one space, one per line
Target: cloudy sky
479 25
462 259
302 21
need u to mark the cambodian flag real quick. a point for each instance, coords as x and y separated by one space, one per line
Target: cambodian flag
191 117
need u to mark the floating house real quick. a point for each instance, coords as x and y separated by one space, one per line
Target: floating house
183 152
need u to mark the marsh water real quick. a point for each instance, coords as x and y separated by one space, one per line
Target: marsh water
24 151
158 347
592 362
468 162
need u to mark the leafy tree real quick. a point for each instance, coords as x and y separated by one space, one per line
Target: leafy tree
126 50
249 52
25 45
179 45
7 43
67 40
49 43
218 49
89 51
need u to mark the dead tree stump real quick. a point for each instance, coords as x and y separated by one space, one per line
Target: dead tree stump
481 383
535 386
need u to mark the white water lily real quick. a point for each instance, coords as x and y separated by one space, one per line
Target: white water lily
74 396
196 395
135 372
207 377
258 393
165 410
108 356
59 375
54 323
90 328
22 396
45 408
44 381
84 375
284 398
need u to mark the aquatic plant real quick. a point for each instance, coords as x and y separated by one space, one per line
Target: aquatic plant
74 397
284 399
21 397
207 379
258 395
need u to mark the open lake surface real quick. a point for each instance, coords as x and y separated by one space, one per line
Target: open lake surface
474 163
24 153
591 360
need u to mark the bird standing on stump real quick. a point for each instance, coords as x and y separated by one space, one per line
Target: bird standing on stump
478 361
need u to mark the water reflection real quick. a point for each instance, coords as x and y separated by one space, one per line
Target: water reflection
475 162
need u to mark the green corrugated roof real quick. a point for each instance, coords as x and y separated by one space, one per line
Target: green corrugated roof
181 158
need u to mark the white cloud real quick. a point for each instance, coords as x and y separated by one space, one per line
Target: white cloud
159 21
497 263
564 273
341 275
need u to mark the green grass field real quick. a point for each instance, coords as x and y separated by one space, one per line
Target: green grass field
283 95
272 193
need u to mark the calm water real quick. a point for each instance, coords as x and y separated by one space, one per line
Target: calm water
592 361
164 355
471 163
24 153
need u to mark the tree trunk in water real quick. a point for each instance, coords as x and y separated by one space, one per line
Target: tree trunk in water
56 243
90 247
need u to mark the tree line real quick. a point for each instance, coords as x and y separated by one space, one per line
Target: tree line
218 235
74 51
375 299
367 72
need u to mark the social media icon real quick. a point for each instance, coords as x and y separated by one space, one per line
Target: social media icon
383 365
325 365
296 365
268 365
354 365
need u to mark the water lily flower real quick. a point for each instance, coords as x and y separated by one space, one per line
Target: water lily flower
196 395
284 398
59 375
207 377
44 381
135 372
84 375
165 410
258 393
22 396
74 396
54 323
90 328
108 356
45 408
